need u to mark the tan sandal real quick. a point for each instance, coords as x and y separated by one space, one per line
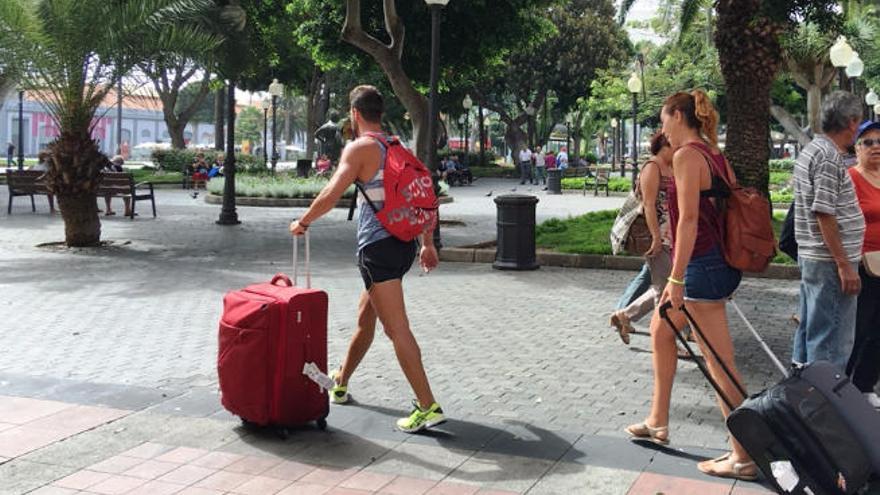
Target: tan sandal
724 467
642 431
621 323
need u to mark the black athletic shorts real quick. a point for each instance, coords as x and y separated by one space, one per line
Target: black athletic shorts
386 259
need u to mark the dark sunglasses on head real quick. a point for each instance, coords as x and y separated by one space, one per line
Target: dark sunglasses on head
869 142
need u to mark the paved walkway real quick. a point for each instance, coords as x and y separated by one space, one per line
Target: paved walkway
524 362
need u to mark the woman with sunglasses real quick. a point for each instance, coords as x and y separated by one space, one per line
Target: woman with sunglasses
864 362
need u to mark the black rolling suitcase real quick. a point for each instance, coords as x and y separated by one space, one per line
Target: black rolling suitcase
812 433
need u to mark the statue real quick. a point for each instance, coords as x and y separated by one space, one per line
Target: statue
329 139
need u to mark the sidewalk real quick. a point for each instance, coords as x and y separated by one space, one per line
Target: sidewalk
537 386
55 447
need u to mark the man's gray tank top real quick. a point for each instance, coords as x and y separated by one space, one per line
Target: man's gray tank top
369 228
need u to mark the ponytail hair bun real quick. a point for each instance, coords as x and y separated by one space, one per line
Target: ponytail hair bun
706 114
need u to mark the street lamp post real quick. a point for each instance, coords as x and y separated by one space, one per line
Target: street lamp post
467 104
435 6
614 147
568 139
482 135
265 104
20 128
276 89
228 214
841 54
871 100
634 85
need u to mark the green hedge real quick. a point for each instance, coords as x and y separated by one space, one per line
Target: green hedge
495 171
176 160
782 165
473 157
615 184
589 234
282 186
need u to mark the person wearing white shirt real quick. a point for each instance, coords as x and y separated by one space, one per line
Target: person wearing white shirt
525 165
562 159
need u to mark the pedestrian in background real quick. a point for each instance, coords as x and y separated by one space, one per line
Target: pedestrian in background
10 154
864 361
540 168
525 165
829 228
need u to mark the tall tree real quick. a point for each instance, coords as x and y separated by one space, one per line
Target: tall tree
396 37
170 75
72 53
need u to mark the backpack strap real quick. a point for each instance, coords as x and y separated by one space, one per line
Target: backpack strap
728 176
359 189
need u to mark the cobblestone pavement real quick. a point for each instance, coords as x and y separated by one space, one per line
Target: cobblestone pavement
498 346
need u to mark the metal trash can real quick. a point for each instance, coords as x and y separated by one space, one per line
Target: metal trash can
516 233
554 181
303 167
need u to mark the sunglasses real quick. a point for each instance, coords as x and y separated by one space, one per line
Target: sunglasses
869 142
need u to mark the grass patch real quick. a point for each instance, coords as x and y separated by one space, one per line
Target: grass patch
495 172
589 234
150 175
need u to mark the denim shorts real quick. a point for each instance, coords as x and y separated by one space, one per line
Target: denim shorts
709 278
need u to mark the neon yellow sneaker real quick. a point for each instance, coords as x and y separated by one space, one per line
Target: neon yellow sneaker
339 393
420 419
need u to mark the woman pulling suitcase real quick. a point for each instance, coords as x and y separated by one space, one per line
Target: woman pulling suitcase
701 279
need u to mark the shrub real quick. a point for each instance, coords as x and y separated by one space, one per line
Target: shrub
282 186
782 165
615 184
780 178
473 157
176 160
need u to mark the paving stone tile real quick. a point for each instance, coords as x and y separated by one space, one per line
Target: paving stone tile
262 485
224 480
496 492
453 488
344 450
328 475
403 485
500 472
216 460
651 484
53 490
193 490
744 488
611 452
199 402
566 477
116 485
253 465
457 434
290 470
156 488
23 439
82 450
524 439
116 464
302 488
78 418
187 475
19 476
20 410
347 491
182 455
366 480
420 461
148 450
150 470
6 426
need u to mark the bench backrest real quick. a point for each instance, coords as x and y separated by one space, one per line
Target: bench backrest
602 176
25 181
115 183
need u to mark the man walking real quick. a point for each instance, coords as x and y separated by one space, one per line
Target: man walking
829 228
10 154
525 165
383 261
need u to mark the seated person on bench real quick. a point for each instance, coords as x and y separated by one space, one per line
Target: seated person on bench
115 165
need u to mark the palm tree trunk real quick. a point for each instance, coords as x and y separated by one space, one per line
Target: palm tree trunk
82 227
750 55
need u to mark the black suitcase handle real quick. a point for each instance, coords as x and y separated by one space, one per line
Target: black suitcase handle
664 313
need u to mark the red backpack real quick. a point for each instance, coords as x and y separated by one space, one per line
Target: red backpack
411 206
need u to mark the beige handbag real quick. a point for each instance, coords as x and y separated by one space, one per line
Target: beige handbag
871 261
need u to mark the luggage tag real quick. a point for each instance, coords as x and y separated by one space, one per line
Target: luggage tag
311 370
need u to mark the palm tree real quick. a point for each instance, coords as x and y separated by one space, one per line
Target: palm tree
70 54
748 39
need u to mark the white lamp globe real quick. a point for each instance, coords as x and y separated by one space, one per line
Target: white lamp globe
634 85
468 103
855 66
276 88
841 53
441 3
871 98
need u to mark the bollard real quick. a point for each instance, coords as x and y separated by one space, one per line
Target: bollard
516 233
303 167
554 181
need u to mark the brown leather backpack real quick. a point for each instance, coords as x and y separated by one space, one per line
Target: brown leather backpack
749 243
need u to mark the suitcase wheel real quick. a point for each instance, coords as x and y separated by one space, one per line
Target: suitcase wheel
322 423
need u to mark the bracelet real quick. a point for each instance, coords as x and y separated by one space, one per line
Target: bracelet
675 281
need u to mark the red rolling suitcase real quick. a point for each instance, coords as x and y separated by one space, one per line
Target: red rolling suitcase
268 333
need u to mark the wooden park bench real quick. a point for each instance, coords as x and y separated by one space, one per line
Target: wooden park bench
27 183
121 184
596 182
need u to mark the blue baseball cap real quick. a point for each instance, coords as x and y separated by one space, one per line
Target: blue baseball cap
865 127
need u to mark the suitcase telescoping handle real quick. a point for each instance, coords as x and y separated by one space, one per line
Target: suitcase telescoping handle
781 367
296 261
664 314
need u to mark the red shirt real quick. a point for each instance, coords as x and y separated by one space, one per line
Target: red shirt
549 162
869 201
710 227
